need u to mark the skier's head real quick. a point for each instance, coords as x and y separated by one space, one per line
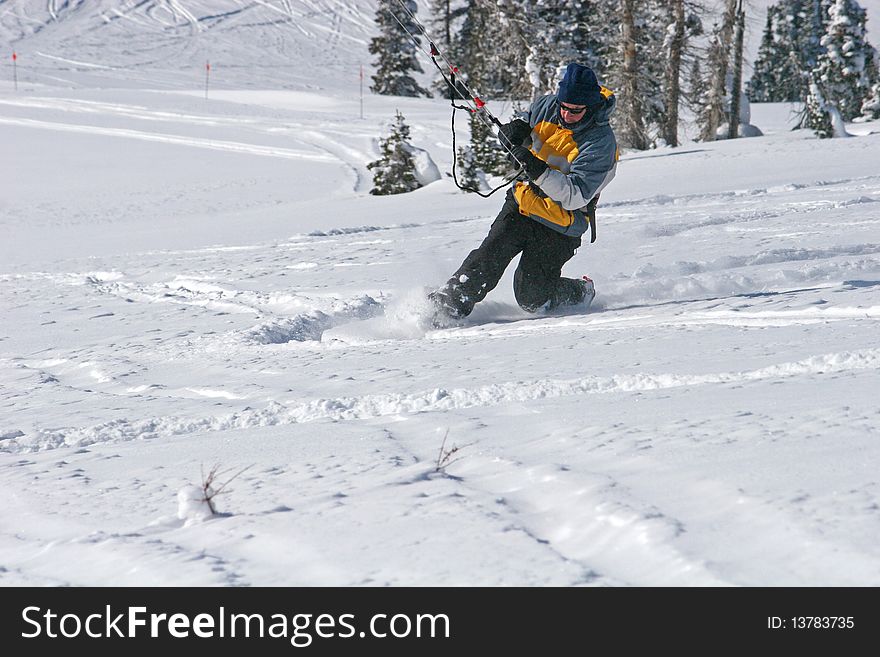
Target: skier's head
579 93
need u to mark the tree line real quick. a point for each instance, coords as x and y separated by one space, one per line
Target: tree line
816 52
657 55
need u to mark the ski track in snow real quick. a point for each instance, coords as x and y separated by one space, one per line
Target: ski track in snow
397 404
326 148
247 149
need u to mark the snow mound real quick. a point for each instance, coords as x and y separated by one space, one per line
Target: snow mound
192 504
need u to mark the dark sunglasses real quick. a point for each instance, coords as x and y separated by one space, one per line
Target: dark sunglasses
573 110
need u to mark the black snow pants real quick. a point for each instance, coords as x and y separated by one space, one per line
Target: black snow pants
538 280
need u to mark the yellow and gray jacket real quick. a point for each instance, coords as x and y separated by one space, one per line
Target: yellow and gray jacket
581 160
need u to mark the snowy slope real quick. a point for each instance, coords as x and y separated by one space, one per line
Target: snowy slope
287 44
187 283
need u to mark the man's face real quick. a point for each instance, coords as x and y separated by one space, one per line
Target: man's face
571 113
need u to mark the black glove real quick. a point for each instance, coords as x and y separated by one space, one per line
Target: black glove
534 166
513 134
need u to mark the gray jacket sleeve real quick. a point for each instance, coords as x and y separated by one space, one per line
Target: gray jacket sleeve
592 169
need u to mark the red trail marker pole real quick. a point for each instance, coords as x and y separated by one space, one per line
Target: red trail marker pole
207 73
15 70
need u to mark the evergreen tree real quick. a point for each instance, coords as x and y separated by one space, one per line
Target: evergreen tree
817 113
844 69
789 51
546 54
765 83
396 51
467 172
483 155
394 171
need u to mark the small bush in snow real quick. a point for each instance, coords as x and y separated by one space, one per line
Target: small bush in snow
444 458
197 502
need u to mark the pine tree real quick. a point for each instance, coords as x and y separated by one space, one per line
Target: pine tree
396 51
789 51
394 171
844 69
467 171
545 54
783 60
817 113
765 82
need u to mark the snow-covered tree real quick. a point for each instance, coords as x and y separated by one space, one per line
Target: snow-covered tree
769 78
789 50
396 51
818 113
467 171
394 171
846 66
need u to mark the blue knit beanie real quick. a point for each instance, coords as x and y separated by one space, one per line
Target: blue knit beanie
579 86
